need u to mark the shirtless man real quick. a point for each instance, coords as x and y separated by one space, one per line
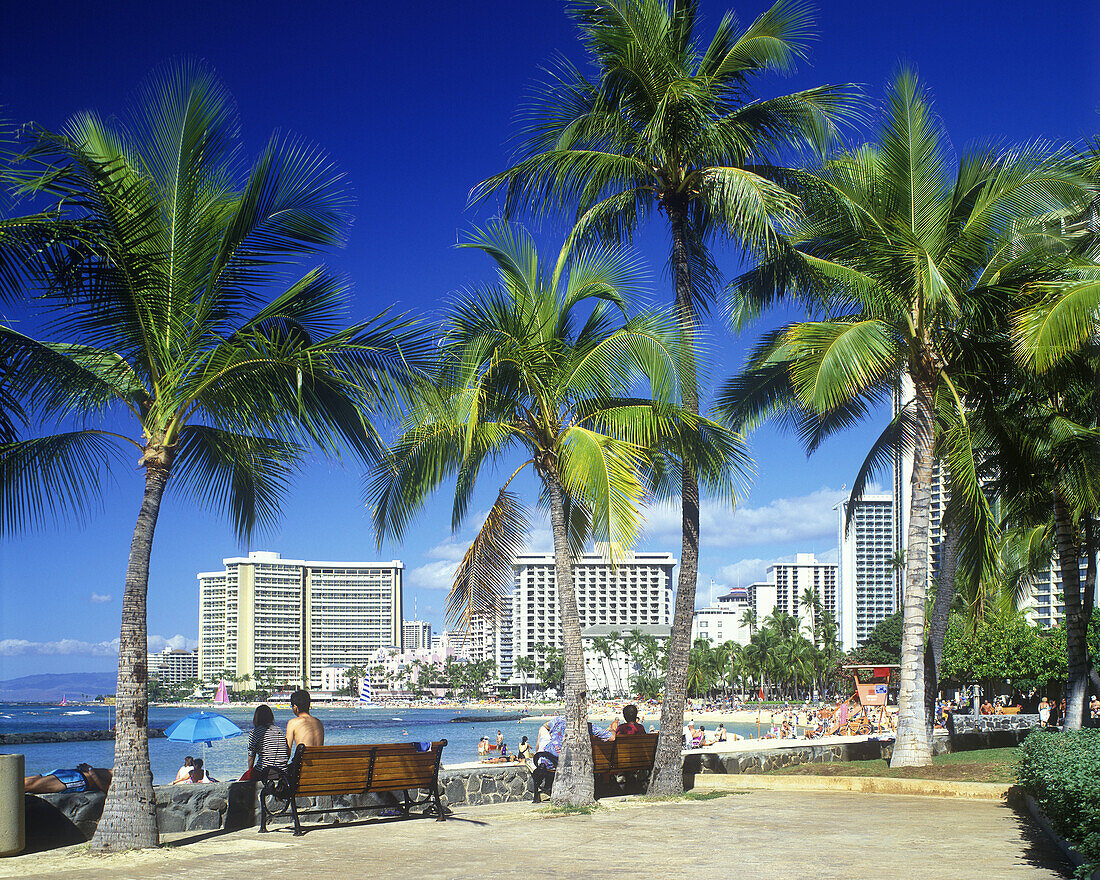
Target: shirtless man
81 778
303 728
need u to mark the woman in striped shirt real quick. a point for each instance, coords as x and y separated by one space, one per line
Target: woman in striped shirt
266 744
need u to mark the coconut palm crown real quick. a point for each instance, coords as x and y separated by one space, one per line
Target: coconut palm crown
173 327
908 262
544 363
670 124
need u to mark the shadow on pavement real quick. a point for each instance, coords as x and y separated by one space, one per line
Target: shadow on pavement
1039 850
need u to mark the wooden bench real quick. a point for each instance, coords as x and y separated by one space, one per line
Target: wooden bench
624 754
331 771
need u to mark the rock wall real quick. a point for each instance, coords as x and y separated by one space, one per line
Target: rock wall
765 759
65 736
62 819
969 732
71 817
986 723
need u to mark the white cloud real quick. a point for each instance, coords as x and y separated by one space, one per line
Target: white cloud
438 575
752 571
17 647
743 572
798 520
98 599
829 557
177 642
539 540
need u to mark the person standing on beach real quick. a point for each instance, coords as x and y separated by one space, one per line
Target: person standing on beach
303 729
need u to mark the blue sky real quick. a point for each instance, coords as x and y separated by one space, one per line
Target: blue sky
415 102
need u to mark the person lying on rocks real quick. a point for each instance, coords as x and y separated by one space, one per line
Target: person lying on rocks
83 777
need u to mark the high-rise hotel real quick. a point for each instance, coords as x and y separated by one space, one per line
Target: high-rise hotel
634 593
293 617
868 570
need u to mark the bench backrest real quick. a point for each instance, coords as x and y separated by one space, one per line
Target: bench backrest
357 769
625 753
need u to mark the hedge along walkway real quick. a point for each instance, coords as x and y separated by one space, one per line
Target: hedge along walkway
764 835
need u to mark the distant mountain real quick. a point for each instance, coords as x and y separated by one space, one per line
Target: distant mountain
49 688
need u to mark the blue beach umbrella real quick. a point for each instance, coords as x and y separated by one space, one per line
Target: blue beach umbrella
202 727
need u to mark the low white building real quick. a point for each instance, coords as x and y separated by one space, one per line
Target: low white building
334 678
719 624
173 666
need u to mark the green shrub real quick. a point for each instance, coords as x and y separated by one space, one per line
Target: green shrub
1062 772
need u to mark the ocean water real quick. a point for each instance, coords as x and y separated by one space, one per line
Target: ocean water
228 759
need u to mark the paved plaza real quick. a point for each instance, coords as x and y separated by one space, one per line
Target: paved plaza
759 834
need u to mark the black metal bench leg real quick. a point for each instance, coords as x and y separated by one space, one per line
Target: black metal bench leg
294 812
442 817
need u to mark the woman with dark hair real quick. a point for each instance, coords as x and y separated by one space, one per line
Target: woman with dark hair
184 774
266 744
198 772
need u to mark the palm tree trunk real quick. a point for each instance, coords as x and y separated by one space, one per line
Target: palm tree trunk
1088 591
912 747
668 776
573 782
129 819
1076 622
937 624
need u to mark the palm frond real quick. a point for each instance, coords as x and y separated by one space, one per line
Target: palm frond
485 574
44 478
245 477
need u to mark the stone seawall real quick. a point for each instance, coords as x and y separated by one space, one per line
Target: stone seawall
969 732
63 819
65 736
764 759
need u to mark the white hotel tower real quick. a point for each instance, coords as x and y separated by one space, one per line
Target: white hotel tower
867 573
633 594
294 617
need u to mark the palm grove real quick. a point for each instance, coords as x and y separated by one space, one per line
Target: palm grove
178 320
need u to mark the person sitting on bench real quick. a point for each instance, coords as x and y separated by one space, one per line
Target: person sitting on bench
546 761
630 725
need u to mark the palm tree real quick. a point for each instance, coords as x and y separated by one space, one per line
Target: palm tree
355 675
809 600
904 258
160 250
731 662
1055 335
524 666
615 643
748 620
1046 454
669 126
701 668
542 362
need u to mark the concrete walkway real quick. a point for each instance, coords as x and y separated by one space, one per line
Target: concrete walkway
773 834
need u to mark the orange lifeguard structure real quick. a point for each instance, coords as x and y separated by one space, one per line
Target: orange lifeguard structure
865 712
